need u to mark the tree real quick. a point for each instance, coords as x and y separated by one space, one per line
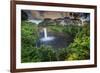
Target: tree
24 15
80 48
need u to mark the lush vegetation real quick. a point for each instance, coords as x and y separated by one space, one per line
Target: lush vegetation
79 49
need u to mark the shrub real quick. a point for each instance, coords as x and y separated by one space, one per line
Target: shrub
80 48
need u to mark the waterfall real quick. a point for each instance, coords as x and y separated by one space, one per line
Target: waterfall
45 32
46 38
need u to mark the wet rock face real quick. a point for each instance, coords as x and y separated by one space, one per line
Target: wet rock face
47 21
61 21
56 18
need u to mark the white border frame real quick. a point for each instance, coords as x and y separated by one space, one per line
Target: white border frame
20 65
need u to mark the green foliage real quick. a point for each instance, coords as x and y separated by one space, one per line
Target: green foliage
41 54
80 48
72 29
62 54
57 29
46 53
29 35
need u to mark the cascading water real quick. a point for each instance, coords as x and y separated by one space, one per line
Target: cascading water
53 40
46 37
45 32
